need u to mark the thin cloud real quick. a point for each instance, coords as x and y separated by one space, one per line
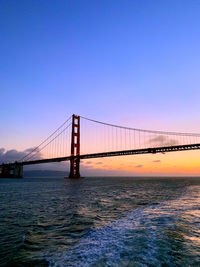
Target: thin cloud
156 161
87 162
99 163
163 140
139 166
15 155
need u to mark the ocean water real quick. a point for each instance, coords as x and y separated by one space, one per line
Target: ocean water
107 221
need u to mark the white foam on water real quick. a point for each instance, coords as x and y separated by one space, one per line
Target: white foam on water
107 244
137 239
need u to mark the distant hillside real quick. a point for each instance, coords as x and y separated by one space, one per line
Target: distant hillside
45 173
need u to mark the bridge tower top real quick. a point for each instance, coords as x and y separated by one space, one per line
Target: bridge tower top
75 141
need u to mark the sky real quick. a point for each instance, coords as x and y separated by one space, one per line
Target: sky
134 63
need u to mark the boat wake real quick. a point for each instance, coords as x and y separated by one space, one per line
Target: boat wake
153 235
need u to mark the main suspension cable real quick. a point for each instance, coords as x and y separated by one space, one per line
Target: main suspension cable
46 139
142 130
51 140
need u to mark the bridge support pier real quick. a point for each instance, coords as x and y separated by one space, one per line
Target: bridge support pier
18 171
5 171
74 168
11 171
75 148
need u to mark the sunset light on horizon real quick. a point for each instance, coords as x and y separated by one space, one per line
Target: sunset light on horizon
140 70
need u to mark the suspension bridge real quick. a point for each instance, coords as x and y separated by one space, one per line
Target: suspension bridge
80 138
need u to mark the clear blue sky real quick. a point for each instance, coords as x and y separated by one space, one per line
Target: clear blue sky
132 62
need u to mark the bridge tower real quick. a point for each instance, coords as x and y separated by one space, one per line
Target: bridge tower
75 148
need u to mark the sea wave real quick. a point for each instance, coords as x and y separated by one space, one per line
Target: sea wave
150 236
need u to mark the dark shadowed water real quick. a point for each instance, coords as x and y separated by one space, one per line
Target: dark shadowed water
100 222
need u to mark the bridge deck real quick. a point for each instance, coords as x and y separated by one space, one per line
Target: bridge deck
114 153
